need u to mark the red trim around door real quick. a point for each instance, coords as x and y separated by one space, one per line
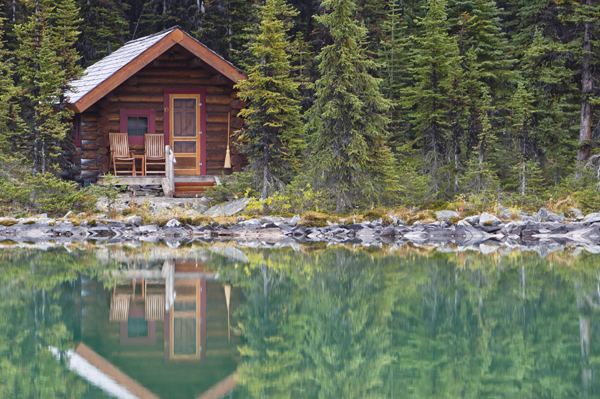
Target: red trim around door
167 124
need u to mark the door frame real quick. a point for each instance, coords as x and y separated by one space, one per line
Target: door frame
167 119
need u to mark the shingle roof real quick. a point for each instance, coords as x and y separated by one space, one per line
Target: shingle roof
109 65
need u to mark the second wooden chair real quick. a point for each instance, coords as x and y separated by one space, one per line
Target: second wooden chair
155 154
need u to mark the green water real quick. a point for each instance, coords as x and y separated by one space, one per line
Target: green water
311 323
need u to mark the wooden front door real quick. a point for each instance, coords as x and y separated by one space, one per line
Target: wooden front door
185 132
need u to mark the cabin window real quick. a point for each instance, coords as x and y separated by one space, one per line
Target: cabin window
137 123
137 327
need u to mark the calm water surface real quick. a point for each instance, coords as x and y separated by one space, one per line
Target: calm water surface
211 321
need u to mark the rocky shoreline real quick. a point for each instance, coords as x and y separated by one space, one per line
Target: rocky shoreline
471 230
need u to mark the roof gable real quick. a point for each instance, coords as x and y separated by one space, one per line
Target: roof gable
108 73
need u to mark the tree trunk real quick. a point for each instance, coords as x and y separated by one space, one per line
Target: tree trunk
587 88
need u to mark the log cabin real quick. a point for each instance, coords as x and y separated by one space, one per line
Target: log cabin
167 83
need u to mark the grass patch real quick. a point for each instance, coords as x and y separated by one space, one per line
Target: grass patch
314 219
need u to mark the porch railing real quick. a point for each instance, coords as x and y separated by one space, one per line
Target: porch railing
168 183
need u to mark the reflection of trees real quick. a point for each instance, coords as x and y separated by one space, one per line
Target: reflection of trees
37 294
342 324
318 334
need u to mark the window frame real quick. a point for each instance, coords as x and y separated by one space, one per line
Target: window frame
138 113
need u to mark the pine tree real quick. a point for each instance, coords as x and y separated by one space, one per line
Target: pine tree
347 123
434 65
103 22
8 106
46 64
273 125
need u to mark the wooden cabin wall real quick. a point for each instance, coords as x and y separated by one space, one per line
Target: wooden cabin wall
145 90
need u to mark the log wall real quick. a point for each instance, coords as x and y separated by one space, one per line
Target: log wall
145 90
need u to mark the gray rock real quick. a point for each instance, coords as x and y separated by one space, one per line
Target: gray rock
251 222
542 215
575 213
554 217
228 209
241 219
486 219
150 228
472 220
295 220
271 219
173 223
68 214
445 216
592 218
388 231
192 213
134 220
503 212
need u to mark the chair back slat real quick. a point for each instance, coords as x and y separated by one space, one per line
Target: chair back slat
155 145
119 145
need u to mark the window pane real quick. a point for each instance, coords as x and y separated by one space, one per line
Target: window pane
132 131
132 121
142 121
142 328
132 327
142 131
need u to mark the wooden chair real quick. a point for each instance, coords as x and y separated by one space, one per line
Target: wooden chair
155 153
119 302
154 300
121 155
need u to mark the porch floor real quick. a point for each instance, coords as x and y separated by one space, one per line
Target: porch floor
185 186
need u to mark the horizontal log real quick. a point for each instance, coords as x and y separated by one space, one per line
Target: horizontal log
106 111
103 121
159 89
215 157
213 99
140 105
216 138
216 118
89 166
138 98
94 153
103 141
219 80
217 108
103 160
151 71
238 104
216 127
89 118
166 81
237 123
89 145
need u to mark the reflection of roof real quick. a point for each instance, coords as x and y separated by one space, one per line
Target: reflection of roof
101 373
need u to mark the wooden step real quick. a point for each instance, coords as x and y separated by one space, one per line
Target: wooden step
195 184
191 189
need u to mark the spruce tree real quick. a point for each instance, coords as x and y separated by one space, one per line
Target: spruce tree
347 123
273 125
47 62
8 107
103 22
434 65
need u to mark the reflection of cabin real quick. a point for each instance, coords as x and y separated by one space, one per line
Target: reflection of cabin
186 353
169 84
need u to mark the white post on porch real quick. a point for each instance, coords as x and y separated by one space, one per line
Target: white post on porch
168 183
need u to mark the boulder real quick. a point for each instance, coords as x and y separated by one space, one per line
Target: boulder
173 223
445 216
503 212
472 220
295 220
134 220
541 216
592 218
575 213
486 219
228 209
556 217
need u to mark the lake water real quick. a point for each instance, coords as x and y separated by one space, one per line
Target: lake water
227 320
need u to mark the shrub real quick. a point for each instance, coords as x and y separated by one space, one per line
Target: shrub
43 193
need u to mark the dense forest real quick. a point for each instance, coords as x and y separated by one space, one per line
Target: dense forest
367 102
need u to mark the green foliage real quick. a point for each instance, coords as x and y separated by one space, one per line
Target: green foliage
43 193
272 129
109 189
348 153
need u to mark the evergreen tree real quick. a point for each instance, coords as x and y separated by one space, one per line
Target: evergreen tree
46 64
103 22
347 123
273 126
434 65
8 106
